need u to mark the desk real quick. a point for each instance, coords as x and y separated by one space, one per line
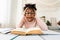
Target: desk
48 35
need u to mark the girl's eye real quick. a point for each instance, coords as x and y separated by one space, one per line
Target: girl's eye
26 13
29 13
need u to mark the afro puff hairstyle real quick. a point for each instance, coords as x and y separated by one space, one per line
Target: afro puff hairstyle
31 6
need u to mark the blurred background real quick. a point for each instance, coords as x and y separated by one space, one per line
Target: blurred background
11 12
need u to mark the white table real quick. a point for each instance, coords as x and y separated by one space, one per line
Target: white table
48 35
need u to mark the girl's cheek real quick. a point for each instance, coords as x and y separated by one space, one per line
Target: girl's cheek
33 15
25 14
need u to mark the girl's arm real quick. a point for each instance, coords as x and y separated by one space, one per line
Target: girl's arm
21 23
41 24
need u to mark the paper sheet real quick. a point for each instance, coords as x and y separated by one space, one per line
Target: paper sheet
36 37
50 37
50 32
5 30
6 36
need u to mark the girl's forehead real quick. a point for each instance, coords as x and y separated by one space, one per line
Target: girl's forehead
29 10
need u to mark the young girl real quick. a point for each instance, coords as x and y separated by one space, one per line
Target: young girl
30 19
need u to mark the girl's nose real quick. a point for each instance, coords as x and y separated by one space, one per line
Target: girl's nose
29 14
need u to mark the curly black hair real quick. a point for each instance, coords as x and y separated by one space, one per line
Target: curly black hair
31 6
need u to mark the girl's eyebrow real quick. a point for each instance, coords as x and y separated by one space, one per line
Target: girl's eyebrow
29 12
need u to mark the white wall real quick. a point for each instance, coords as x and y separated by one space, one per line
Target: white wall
16 11
48 8
5 12
13 13
19 12
42 10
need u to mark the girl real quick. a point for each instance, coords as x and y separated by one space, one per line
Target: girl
30 19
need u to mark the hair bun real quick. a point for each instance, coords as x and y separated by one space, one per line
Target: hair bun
30 5
33 6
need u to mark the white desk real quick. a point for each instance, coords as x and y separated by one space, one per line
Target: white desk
48 35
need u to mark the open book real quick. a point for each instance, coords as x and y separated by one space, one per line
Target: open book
27 31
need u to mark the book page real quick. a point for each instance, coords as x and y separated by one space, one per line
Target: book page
19 31
34 30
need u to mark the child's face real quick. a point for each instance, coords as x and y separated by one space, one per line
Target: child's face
29 14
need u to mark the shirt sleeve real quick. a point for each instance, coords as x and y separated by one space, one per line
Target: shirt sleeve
20 25
41 24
